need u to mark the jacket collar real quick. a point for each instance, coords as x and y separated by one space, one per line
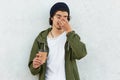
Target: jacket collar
42 37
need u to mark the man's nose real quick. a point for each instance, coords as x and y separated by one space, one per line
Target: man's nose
62 18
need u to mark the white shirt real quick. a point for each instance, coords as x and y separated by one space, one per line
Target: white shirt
55 69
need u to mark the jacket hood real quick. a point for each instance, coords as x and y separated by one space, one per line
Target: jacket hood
43 35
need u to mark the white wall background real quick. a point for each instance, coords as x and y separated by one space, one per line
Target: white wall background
96 21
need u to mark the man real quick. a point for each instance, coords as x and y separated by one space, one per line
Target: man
63 47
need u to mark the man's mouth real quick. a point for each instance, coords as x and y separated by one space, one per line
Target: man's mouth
59 28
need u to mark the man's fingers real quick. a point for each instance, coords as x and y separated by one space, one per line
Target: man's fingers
37 60
61 23
36 63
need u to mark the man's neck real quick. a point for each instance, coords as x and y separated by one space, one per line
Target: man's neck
55 32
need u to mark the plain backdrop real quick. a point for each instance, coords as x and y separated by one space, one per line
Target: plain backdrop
96 21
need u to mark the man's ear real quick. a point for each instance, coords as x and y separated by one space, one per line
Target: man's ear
51 18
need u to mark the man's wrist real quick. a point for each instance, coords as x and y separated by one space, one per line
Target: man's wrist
69 30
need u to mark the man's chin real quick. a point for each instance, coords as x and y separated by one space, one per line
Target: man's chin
59 28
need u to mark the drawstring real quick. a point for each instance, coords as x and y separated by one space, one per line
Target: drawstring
68 46
44 47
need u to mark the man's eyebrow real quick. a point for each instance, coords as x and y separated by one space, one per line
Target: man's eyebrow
58 14
61 15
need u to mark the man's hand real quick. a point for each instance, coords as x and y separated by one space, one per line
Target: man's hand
65 25
36 62
39 59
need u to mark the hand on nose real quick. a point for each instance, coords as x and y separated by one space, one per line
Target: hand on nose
61 23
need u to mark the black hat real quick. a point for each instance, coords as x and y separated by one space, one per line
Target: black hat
59 6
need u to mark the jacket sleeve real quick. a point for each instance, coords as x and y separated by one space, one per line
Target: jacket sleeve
34 50
77 48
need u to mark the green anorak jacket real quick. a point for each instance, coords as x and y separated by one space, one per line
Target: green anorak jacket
74 49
